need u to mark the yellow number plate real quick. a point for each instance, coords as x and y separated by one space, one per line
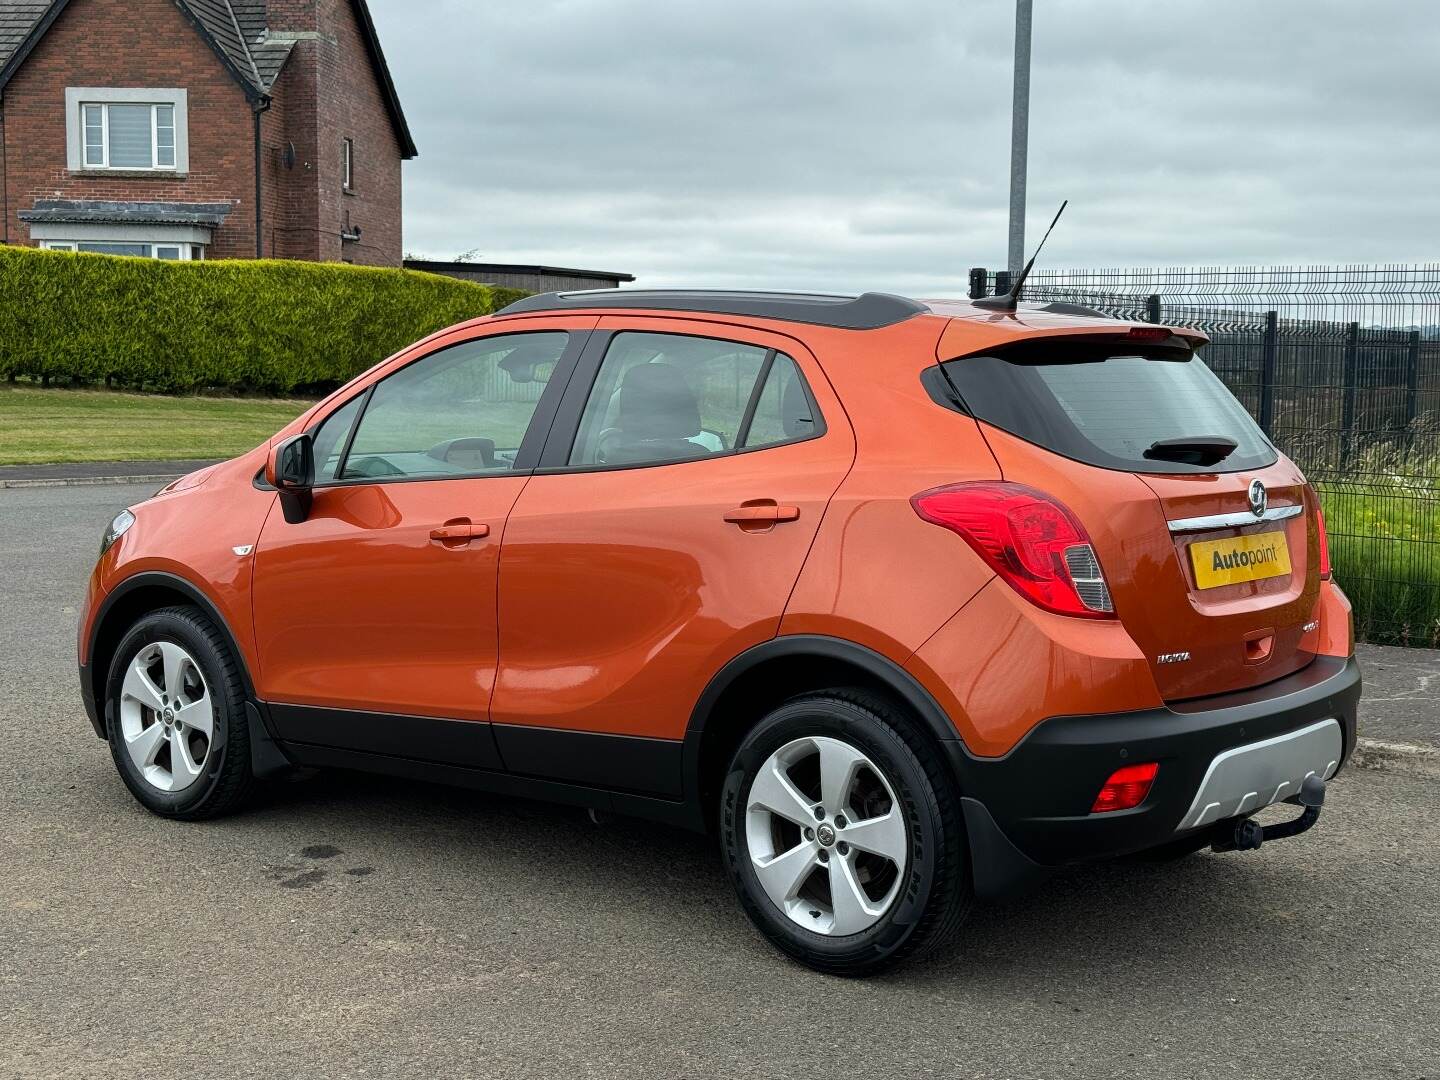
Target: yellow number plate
1241 558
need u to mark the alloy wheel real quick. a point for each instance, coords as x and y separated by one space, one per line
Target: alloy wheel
826 836
166 716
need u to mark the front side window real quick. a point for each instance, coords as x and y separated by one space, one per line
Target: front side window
463 411
128 135
331 438
667 397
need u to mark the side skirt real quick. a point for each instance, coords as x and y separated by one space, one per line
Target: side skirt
618 773
665 811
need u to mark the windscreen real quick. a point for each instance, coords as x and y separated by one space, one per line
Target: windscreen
1110 409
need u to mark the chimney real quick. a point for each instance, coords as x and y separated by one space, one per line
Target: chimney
292 16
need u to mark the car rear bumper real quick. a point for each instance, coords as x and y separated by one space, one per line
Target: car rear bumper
1030 809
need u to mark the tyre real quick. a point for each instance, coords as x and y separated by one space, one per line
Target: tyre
842 831
175 717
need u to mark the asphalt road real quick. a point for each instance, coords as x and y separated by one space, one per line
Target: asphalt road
348 927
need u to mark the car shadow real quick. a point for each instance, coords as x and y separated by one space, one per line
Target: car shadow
1201 916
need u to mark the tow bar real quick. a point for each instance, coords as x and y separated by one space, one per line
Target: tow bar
1247 835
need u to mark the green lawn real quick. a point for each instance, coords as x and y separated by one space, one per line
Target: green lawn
41 426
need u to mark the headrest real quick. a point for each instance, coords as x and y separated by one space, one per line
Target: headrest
656 402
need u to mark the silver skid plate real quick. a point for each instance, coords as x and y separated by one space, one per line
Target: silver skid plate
1245 778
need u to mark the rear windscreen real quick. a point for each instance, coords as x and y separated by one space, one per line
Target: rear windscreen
1108 410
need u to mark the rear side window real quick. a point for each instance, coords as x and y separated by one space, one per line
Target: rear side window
1110 409
783 412
662 398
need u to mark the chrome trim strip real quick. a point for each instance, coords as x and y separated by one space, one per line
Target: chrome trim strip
1232 521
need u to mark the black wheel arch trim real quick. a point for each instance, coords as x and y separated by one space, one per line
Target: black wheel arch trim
815 646
166 580
998 868
264 752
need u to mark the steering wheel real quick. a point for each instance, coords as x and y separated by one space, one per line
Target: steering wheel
373 467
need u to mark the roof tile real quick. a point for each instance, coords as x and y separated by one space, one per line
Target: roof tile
17 17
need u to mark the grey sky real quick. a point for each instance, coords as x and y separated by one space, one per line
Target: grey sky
850 145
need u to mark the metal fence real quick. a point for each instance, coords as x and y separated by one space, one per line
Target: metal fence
1341 367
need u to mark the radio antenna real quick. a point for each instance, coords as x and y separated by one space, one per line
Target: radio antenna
1011 300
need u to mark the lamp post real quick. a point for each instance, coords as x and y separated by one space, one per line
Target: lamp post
1019 136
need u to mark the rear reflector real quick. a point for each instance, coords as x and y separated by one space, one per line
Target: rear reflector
1126 788
1026 537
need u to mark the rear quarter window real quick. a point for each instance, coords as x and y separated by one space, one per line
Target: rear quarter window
1108 408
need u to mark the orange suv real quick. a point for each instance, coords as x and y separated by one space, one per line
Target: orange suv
907 602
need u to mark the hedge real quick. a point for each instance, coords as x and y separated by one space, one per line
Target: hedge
259 325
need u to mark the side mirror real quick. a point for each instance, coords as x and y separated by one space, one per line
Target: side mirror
290 470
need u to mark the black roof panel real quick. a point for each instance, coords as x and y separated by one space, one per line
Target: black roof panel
869 311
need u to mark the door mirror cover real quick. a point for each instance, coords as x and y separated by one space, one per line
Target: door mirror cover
290 470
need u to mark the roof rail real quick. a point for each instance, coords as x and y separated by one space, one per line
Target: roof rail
869 311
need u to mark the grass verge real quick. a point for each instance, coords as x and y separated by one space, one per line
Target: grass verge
40 426
1383 519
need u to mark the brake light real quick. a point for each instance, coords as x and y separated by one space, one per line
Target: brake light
1325 574
1126 788
1148 333
1028 538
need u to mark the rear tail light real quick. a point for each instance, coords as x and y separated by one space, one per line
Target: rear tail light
1324 542
1126 788
1029 539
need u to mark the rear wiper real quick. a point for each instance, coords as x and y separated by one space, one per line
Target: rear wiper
1193 449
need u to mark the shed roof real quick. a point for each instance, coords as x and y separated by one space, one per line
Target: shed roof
73 211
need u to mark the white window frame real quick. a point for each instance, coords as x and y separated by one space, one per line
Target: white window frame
186 252
347 165
78 97
156 165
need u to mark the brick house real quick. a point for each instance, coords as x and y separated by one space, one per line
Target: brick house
188 129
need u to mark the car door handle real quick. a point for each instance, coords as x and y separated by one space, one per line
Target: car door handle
458 533
762 512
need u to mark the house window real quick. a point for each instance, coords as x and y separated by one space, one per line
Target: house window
347 165
137 249
129 136
141 130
